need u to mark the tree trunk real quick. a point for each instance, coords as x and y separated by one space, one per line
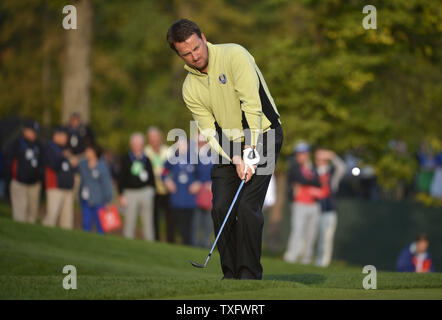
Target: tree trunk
46 76
182 10
77 71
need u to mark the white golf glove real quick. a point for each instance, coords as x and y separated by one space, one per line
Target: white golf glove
251 158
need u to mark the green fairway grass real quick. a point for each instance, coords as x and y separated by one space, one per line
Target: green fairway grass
32 258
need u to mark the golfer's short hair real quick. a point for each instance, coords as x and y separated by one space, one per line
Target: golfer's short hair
180 31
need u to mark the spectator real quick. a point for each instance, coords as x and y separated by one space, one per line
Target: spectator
80 135
436 184
180 179
113 163
415 257
59 181
305 210
156 151
202 219
24 170
330 174
95 187
136 185
2 178
427 165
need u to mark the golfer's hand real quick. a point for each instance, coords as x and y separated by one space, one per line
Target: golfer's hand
240 168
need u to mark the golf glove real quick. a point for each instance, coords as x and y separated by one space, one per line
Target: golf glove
251 158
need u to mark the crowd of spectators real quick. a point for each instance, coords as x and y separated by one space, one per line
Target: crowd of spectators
429 178
74 172
173 198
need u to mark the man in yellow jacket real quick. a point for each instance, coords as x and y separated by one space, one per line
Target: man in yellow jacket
231 103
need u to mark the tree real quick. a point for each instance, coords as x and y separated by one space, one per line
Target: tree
76 79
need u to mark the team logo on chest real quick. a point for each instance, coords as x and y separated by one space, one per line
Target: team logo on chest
222 78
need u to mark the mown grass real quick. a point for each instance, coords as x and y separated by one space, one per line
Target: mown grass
32 258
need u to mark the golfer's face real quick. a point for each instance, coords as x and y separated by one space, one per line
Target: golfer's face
194 52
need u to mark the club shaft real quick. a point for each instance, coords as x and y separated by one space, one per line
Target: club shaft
225 219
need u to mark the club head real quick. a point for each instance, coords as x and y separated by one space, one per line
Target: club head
197 265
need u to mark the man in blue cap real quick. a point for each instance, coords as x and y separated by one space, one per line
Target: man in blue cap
24 170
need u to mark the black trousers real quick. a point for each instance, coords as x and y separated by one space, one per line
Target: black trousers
240 243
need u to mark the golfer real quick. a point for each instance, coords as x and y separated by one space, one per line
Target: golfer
229 99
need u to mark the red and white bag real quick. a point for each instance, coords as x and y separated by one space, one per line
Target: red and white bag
109 218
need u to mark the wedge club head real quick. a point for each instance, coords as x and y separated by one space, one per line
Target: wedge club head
197 265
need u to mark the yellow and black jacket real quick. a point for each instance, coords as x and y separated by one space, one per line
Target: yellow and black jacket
231 97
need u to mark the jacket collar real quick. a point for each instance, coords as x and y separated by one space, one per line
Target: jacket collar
196 72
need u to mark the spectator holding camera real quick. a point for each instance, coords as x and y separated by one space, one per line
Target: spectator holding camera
331 170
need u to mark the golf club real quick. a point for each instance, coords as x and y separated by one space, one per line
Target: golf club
197 265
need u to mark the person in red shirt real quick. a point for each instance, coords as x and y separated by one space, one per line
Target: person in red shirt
305 210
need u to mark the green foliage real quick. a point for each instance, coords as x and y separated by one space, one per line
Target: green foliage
335 84
395 170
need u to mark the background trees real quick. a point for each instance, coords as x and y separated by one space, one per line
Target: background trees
335 83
